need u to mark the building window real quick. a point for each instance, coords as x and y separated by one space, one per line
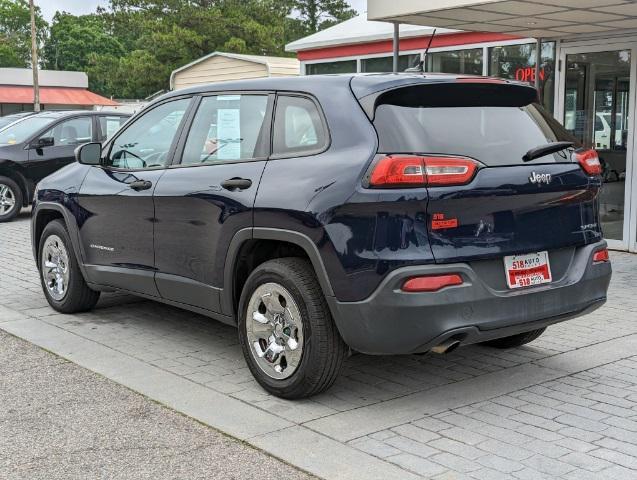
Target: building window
347 66
469 62
386 64
517 62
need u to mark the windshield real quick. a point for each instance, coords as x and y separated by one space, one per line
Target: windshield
22 130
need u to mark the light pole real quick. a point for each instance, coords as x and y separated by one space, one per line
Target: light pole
396 46
34 60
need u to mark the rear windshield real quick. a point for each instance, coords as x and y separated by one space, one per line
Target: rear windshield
495 124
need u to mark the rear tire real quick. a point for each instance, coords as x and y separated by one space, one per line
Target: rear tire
515 340
10 199
287 334
62 281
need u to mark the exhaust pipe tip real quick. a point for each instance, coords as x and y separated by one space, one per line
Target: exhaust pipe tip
447 346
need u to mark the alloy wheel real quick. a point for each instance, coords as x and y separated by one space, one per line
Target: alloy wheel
7 199
55 267
275 331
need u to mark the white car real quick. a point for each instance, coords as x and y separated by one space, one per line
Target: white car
603 129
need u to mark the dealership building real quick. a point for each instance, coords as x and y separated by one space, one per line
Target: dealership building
586 74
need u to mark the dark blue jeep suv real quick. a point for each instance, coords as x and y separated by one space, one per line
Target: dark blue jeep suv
385 214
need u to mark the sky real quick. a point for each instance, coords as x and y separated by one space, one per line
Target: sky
79 7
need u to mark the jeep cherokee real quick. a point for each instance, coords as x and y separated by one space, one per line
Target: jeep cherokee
384 214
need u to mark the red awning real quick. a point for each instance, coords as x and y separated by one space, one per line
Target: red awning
52 96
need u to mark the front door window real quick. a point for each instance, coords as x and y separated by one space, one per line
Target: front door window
146 142
75 131
596 111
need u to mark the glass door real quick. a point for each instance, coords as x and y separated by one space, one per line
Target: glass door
598 100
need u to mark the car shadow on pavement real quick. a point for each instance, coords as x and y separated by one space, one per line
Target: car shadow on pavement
208 352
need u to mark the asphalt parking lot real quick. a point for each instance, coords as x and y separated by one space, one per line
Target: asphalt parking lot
61 421
564 407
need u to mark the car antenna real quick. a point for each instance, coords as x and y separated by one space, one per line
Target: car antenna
420 68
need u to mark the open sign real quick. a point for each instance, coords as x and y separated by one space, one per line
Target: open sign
527 74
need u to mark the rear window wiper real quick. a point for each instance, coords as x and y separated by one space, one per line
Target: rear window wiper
547 149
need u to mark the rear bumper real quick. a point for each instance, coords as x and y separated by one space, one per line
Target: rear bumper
394 322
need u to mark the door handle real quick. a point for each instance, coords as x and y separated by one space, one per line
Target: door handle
236 184
139 185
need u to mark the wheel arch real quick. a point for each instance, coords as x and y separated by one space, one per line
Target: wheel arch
43 214
11 170
230 296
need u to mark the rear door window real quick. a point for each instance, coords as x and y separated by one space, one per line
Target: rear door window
109 125
298 127
228 128
495 124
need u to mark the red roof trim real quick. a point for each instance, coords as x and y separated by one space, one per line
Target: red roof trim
406 44
53 96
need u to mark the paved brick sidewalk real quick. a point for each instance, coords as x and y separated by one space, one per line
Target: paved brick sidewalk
564 407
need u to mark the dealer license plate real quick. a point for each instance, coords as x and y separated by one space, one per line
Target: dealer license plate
527 270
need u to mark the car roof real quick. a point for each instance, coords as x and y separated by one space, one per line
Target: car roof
362 84
58 114
19 115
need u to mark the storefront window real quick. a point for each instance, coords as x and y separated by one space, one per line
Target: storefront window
517 62
386 64
348 66
597 111
458 61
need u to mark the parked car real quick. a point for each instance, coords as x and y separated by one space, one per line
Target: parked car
603 131
37 145
14 117
385 214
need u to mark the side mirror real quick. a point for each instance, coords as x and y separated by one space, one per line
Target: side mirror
43 142
89 154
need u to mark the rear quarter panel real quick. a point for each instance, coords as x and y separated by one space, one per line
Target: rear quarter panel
361 234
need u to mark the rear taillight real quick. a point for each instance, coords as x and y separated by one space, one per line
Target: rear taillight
601 256
422 171
398 171
431 283
589 161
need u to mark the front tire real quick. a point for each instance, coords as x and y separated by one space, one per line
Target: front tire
515 341
10 199
60 275
287 334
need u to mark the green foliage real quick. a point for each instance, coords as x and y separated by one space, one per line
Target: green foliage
318 15
130 49
72 39
15 32
9 57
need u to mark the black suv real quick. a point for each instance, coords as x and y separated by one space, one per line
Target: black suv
386 214
36 145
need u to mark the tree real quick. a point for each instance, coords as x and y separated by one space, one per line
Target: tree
9 56
172 33
130 48
72 39
135 75
317 15
15 32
